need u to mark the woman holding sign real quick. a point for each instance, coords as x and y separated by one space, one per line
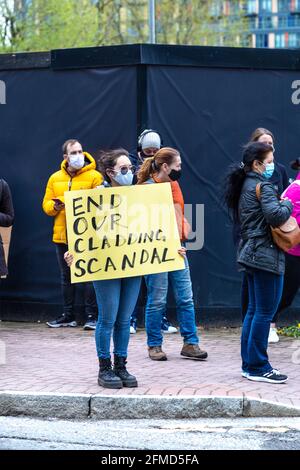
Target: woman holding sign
165 167
116 298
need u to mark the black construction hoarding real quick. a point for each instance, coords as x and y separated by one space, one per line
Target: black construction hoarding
204 101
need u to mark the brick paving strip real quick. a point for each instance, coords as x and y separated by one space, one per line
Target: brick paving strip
54 371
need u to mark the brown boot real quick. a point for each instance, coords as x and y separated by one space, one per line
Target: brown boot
192 351
156 353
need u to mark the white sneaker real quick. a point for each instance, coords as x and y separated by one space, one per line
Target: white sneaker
245 374
132 330
169 329
273 336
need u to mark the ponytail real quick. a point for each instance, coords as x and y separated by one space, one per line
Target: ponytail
146 170
233 186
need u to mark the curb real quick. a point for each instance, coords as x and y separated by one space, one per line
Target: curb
45 405
83 406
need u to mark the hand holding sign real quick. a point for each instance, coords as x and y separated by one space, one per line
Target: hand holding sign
69 258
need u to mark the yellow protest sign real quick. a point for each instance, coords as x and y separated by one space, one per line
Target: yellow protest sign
122 231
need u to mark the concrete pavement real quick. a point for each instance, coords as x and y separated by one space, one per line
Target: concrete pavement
53 372
162 436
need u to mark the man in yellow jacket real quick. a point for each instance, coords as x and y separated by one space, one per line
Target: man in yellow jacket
78 171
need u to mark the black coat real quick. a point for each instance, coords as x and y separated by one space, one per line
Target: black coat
279 178
256 248
280 181
137 162
6 219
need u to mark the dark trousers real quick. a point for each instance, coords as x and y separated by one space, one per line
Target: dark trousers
68 289
265 290
244 295
291 283
141 300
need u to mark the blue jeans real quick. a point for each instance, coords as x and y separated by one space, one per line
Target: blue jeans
116 299
265 290
143 297
157 287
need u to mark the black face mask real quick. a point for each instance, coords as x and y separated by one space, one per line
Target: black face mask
144 156
174 175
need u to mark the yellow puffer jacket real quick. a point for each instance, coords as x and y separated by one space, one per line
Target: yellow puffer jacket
86 178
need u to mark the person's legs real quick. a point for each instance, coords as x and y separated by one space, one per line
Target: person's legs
157 290
183 293
128 297
268 291
108 299
247 323
290 286
133 319
166 326
141 299
130 287
68 290
244 296
90 307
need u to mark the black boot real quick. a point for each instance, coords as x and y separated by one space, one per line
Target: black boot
120 370
107 378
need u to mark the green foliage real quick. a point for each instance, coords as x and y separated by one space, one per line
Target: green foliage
37 25
198 22
293 331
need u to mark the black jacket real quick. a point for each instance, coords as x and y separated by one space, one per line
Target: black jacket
279 178
137 162
280 181
6 219
256 248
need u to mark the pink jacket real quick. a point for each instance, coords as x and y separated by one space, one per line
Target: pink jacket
293 193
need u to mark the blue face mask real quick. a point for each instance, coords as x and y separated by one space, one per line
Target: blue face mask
124 180
269 170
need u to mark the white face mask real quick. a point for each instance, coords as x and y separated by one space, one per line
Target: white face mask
76 161
124 180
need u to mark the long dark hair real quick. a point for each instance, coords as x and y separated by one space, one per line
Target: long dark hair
237 173
108 159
